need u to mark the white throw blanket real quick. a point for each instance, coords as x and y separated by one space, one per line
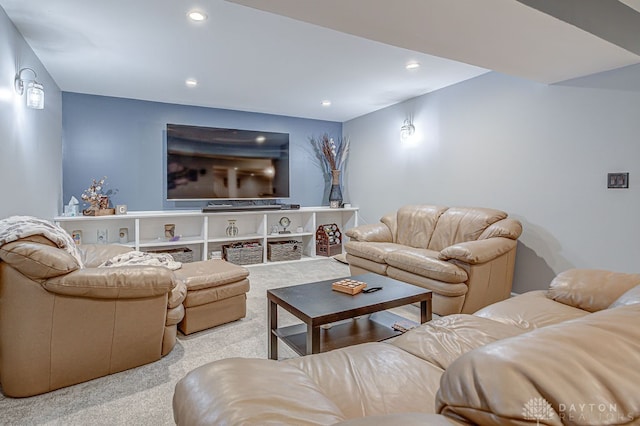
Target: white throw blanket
15 227
137 258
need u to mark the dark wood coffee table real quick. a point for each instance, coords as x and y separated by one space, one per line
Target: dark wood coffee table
316 304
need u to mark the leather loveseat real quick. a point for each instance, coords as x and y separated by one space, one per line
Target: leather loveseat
64 321
568 355
465 255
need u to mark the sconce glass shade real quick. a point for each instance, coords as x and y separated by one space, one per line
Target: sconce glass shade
35 95
35 90
407 130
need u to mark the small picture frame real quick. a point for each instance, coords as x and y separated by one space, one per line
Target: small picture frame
618 180
77 237
123 235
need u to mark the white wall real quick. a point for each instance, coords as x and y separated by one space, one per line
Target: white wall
540 153
30 140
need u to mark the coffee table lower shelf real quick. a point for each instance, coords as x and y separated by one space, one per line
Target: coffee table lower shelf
375 327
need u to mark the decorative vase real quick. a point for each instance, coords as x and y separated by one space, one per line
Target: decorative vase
232 229
335 196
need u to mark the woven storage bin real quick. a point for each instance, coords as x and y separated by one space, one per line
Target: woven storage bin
243 253
284 250
179 254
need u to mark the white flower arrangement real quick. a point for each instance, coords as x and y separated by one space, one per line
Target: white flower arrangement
96 195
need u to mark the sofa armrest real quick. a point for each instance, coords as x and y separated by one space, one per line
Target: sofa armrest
480 251
374 232
37 261
590 289
508 228
126 282
177 294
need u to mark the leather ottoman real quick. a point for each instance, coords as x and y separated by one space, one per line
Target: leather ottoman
216 294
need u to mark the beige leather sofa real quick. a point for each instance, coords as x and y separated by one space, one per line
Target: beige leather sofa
465 255
568 355
61 324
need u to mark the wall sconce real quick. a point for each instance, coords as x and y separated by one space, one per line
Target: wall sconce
35 90
407 130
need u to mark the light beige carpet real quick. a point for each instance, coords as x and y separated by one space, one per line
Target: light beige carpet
143 395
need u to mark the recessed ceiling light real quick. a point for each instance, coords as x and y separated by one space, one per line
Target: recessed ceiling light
412 65
196 15
191 82
326 103
261 139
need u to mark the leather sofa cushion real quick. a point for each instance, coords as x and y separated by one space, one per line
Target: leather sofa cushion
95 254
530 310
376 252
426 263
210 273
590 289
213 294
37 261
237 391
372 379
630 297
442 340
590 360
460 224
438 287
366 264
415 224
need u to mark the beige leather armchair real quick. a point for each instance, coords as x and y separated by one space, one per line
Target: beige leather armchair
61 324
465 255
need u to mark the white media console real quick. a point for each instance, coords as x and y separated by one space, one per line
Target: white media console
206 232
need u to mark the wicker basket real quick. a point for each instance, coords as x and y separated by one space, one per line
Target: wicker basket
179 254
243 253
284 250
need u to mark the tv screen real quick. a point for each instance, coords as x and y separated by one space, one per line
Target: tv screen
209 163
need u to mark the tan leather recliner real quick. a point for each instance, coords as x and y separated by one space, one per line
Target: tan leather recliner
465 255
61 324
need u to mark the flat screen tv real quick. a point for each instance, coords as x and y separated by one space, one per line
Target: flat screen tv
210 163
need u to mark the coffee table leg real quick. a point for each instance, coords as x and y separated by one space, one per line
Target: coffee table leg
425 311
313 339
272 314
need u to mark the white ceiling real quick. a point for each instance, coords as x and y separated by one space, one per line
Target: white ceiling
286 62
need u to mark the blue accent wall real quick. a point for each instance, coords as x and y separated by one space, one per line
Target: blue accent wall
125 140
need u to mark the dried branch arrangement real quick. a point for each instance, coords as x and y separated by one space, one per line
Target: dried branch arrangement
332 155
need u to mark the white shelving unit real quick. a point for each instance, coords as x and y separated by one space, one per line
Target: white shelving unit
206 232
